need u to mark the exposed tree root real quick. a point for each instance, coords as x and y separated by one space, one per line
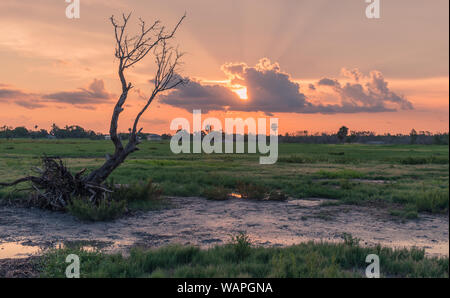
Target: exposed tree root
56 185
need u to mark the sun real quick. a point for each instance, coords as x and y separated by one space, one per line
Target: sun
241 91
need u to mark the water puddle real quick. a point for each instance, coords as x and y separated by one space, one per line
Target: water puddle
16 250
204 223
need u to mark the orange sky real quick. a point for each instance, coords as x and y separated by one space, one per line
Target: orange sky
46 56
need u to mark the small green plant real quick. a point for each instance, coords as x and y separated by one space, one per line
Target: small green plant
139 196
434 201
241 245
407 213
350 240
346 184
251 191
219 193
139 191
83 209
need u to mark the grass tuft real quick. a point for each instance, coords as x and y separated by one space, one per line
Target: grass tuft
218 193
83 209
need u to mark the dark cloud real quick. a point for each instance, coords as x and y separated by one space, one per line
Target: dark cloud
271 91
82 98
7 94
94 94
28 104
194 95
21 98
368 93
328 82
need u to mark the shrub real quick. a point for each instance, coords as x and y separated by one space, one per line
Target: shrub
106 209
139 196
423 160
139 191
241 245
219 193
251 191
433 201
346 184
350 240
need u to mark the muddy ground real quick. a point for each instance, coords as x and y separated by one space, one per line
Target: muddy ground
196 221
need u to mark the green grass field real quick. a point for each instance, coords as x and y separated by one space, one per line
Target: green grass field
405 178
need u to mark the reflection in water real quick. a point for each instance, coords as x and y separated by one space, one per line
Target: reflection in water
15 250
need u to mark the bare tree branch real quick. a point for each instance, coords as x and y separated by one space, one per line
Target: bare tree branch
55 186
129 51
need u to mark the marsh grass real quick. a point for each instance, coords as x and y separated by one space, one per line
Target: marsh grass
140 196
240 258
218 193
250 191
417 174
83 209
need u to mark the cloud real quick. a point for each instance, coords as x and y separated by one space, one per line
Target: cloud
328 82
29 104
194 95
82 98
7 94
19 97
94 94
370 93
270 90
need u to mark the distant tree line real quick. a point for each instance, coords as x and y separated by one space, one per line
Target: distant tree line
343 135
56 132
73 131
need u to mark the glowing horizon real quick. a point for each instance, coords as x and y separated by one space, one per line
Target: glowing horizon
282 59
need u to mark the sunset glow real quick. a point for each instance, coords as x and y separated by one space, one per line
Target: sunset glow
283 59
241 92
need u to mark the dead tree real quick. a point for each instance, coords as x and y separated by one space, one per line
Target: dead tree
56 184
129 51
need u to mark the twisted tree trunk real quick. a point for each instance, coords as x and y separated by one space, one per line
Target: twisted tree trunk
56 185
